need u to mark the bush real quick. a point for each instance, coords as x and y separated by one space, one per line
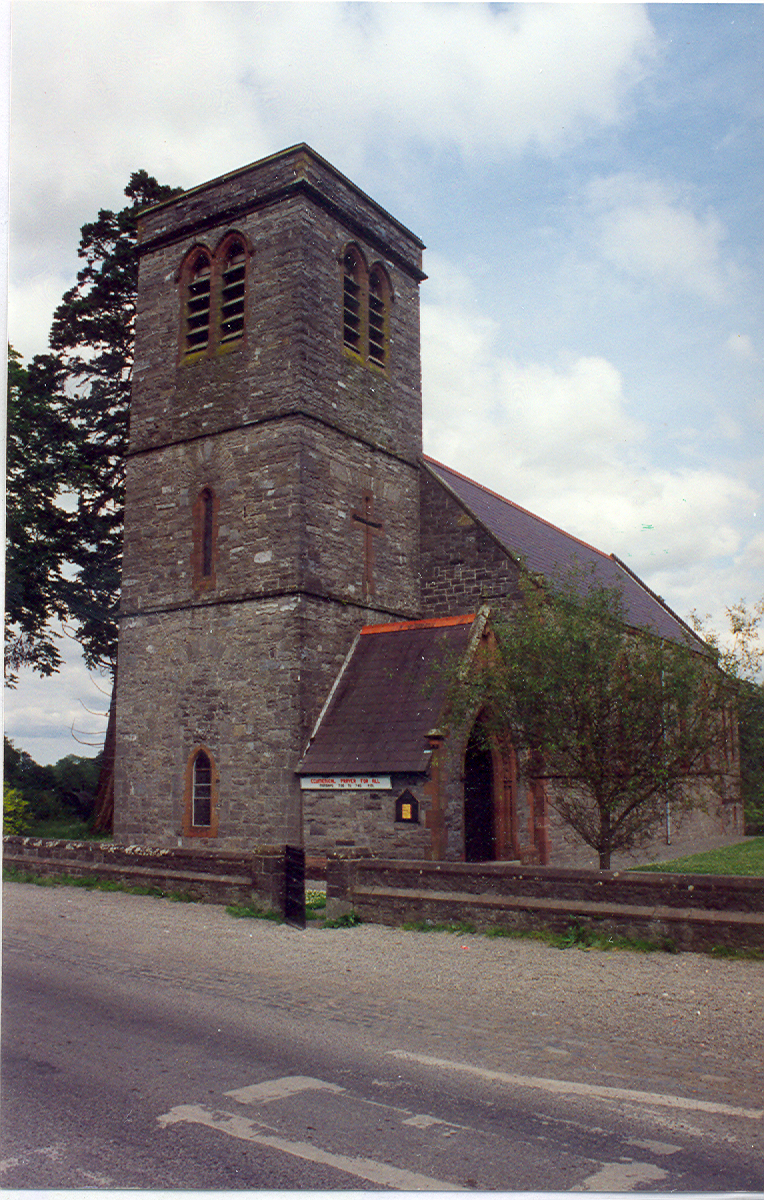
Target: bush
17 815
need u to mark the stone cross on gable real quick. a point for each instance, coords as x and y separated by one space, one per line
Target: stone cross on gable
365 518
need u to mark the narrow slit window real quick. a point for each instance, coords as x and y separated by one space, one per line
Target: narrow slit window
202 791
208 524
232 295
198 306
378 318
352 302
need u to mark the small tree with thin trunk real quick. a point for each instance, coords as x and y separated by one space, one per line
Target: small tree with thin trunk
619 721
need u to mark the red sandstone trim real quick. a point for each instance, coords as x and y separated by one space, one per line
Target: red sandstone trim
431 623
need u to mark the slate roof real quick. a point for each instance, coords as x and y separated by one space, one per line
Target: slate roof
388 697
548 550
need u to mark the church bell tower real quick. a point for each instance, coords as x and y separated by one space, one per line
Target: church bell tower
272 495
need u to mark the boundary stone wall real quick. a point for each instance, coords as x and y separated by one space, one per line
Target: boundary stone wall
689 912
219 877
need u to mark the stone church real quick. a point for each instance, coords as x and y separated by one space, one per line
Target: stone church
295 570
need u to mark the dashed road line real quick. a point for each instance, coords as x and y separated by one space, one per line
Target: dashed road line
369 1169
567 1087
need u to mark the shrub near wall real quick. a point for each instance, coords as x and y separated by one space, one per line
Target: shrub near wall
692 912
218 877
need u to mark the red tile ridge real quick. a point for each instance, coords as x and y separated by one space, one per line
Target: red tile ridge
428 623
519 507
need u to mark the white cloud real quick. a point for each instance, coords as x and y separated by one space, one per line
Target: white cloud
190 90
741 346
644 229
561 440
62 714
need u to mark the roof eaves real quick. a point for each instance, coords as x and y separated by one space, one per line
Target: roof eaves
659 600
429 464
328 700
510 504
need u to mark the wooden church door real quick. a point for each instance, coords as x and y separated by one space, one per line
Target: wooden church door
479 829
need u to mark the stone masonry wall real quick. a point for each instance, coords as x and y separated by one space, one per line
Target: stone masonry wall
257 877
689 912
291 358
462 566
286 494
345 820
289 430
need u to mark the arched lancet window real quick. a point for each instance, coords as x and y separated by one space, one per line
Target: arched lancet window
232 293
354 273
200 817
205 529
198 304
208 516
379 313
201 792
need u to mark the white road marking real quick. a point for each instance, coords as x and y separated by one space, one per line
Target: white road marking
363 1168
621 1177
656 1147
280 1089
422 1121
563 1087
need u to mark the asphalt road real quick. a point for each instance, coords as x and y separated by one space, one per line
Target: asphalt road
153 1045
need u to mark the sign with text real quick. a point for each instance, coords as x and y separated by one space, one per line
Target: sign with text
345 783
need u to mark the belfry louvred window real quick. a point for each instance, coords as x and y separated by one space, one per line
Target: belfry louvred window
198 305
215 288
366 297
352 298
378 317
232 301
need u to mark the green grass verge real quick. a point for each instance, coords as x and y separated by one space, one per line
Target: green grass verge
578 934
92 883
744 858
65 829
252 912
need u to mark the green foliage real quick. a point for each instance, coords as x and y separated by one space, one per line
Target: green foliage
67 434
346 921
38 530
744 858
740 653
615 719
315 902
17 817
63 793
430 926
93 883
751 718
92 336
252 912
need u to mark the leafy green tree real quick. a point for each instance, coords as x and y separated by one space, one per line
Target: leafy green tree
36 784
77 783
38 530
17 817
92 338
740 652
615 719
68 788
86 396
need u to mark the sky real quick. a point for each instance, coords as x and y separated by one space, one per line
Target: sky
588 182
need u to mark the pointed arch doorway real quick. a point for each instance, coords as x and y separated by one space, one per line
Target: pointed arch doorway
490 812
479 822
